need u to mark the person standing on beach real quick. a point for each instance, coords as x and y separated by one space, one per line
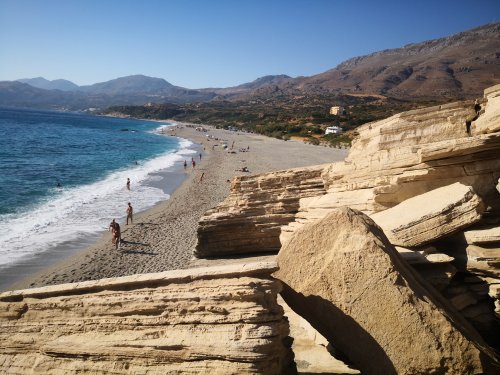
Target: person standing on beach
193 163
116 232
185 164
200 156
130 211
128 183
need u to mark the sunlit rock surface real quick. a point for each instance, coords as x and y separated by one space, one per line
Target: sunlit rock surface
352 285
222 320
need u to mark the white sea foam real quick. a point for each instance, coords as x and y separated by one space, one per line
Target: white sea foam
82 212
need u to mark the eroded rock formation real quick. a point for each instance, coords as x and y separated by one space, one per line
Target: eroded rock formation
250 219
212 320
392 161
430 216
409 154
366 300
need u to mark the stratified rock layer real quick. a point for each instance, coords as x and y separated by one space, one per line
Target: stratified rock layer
490 121
344 276
390 161
222 320
430 216
483 235
250 219
410 154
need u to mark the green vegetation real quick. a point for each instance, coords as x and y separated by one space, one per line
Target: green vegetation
281 117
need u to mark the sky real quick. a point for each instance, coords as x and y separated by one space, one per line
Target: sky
214 43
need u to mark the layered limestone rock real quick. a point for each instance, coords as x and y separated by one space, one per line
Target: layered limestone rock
430 216
476 270
342 274
390 161
409 154
220 320
483 260
490 121
250 219
423 255
483 235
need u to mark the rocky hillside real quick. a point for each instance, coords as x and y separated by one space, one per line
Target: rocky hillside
254 88
459 66
455 67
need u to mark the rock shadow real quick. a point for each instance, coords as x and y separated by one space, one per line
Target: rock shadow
342 331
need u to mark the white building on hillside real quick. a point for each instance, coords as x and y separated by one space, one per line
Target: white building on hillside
333 130
337 110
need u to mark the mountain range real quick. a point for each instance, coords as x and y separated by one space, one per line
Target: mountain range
455 67
57 84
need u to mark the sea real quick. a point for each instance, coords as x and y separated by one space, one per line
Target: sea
63 176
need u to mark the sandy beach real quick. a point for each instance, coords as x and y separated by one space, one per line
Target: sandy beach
163 237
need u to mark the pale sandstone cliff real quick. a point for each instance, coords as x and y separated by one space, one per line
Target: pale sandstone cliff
212 320
250 219
431 149
391 161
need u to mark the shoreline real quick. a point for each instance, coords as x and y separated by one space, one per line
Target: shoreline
169 180
163 236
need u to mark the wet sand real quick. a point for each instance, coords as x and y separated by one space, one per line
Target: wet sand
163 237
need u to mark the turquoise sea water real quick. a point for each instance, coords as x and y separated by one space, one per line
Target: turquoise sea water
63 175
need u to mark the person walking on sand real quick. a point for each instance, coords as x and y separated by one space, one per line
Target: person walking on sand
200 156
128 183
193 163
130 211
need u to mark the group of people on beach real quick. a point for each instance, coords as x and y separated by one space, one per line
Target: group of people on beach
193 162
114 227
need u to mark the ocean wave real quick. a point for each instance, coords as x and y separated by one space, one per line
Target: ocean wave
78 213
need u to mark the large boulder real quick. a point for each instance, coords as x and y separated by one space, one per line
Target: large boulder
343 275
218 320
430 216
